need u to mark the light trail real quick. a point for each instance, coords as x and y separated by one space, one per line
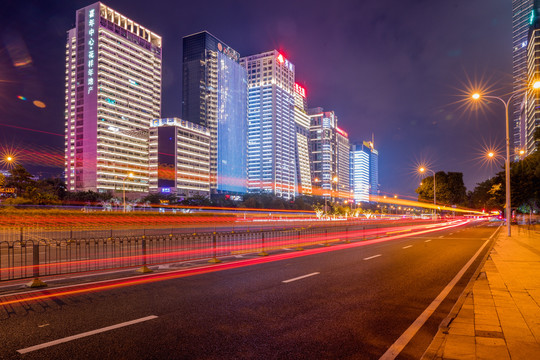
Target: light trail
144 279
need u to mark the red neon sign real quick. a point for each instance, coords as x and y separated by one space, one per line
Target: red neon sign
299 89
342 132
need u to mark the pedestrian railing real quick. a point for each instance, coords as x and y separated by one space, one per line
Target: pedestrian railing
36 258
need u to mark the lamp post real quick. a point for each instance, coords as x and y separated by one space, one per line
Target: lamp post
477 96
334 181
423 170
130 175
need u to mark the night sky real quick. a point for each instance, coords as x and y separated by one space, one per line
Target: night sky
396 69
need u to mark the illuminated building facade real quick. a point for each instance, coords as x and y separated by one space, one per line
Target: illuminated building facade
322 149
359 170
271 124
113 91
364 170
342 165
532 103
301 119
522 12
179 154
373 168
215 96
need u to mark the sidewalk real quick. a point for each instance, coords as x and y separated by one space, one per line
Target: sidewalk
500 315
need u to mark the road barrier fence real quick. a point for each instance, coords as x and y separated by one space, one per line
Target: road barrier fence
34 258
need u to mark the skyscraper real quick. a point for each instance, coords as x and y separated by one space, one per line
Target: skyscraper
113 90
271 121
215 96
531 121
364 168
521 21
373 168
342 165
301 119
322 149
359 165
179 158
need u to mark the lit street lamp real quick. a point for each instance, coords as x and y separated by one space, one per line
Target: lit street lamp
130 175
335 181
477 96
423 170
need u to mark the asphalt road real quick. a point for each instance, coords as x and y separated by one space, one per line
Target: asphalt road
352 303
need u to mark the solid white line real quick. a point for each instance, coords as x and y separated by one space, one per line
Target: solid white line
372 257
427 241
406 247
85 334
300 277
394 350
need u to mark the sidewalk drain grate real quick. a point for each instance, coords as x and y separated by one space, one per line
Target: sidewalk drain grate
489 334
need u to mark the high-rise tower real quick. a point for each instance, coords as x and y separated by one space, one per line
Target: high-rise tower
521 22
113 91
271 121
214 95
301 119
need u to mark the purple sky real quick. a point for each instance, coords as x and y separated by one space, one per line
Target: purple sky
392 68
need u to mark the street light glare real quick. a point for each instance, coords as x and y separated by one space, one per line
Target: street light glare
536 85
422 169
130 175
9 158
491 154
476 96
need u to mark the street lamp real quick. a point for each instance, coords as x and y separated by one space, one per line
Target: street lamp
130 175
335 181
423 170
477 96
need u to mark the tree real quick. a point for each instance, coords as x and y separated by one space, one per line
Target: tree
449 189
20 179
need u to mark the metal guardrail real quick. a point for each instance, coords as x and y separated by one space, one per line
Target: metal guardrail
35 258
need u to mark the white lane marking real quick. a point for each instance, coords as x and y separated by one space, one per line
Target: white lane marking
43 325
372 257
427 241
85 334
394 350
406 247
441 236
450 234
300 277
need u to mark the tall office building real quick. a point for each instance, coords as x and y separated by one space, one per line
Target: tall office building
359 169
342 165
215 96
531 121
521 22
271 122
322 149
364 168
113 91
373 168
301 119
179 158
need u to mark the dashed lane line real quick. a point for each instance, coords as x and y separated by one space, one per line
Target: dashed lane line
84 334
372 257
408 246
300 277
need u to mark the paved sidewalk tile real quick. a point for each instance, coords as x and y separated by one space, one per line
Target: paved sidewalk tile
500 317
